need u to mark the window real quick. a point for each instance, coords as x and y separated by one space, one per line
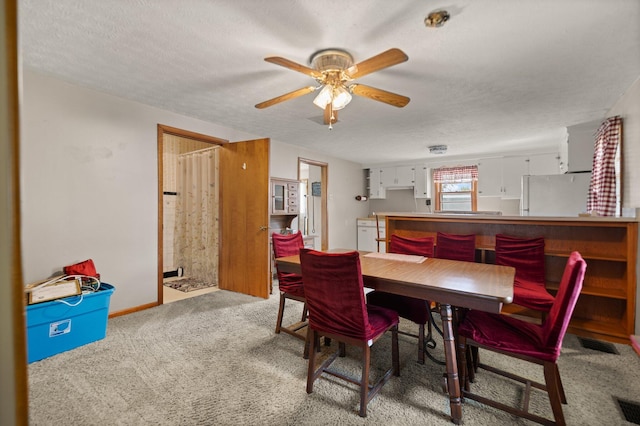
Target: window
456 188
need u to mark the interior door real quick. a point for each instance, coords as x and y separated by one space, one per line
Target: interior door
244 217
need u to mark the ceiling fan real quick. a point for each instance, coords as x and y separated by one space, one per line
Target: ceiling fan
334 70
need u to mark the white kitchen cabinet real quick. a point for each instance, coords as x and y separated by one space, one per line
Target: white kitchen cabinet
422 185
544 164
376 190
284 197
576 153
501 177
490 177
396 177
405 176
368 234
512 170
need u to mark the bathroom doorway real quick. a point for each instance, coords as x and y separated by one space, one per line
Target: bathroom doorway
174 145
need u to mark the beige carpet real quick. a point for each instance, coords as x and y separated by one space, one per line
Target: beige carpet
215 360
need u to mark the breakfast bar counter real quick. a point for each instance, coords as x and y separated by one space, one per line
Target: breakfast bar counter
607 303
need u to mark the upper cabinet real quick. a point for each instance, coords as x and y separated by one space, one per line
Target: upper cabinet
502 177
382 178
576 153
491 179
285 197
376 190
544 164
422 185
397 177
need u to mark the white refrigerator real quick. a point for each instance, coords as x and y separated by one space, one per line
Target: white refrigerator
555 195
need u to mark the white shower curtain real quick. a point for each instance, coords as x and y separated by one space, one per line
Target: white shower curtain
196 238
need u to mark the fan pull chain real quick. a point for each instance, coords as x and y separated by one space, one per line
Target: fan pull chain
331 117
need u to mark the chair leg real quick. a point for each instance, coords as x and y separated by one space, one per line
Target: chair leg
342 349
471 371
552 378
364 382
280 313
312 360
475 358
464 373
563 397
305 313
307 341
395 352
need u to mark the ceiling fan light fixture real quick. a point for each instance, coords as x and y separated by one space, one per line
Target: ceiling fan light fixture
324 97
341 97
334 70
338 96
331 60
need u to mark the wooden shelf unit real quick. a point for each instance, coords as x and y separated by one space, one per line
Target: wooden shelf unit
607 304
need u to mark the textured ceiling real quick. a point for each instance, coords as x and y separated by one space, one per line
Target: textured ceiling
500 76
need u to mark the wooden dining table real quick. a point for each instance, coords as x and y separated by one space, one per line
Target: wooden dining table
453 284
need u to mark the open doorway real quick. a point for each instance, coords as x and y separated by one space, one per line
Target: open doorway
175 149
313 219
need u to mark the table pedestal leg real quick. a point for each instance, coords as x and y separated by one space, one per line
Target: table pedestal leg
453 383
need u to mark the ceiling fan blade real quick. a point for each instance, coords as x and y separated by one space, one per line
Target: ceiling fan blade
286 97
293 66
383 60
379 95
330 117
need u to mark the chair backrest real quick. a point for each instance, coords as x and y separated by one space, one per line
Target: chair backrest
524 254
557 322
335 293
456 247
422 246
287 245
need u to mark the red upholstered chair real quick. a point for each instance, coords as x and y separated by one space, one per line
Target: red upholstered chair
416 310
406 245
535 343
337 310
527 256
460 247
290 285
456 247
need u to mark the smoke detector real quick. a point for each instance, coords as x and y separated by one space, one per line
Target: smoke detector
437 149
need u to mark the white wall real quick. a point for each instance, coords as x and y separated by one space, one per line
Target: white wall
89 184
345 182
628 107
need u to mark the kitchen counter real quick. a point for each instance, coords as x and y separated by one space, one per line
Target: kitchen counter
607 304
492 216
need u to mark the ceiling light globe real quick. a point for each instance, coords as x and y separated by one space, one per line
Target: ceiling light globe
341 98
324 97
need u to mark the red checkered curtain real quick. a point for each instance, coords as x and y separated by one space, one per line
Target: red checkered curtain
602 190
455 174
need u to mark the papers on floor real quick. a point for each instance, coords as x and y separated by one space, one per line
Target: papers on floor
398 257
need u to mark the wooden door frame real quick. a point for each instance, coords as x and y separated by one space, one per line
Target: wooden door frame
14 386
168 130
324 187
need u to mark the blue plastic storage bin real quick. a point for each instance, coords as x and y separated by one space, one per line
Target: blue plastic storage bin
54 327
